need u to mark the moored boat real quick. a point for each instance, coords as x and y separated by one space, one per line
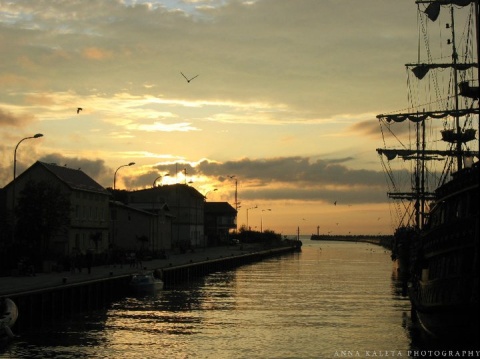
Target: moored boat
8 317
437 238
145 283
444 287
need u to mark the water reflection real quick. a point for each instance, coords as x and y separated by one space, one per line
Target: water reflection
328 299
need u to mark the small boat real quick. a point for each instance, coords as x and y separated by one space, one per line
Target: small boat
145 283
8 317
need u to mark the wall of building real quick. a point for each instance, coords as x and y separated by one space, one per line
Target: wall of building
89 214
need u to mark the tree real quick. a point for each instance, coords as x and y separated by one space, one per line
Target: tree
42 210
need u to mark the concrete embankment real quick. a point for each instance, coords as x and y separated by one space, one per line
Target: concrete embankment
47 298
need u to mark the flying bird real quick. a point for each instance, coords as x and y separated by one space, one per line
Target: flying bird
188 79
79 109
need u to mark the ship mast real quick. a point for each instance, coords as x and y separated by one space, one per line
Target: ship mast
455 81
455 136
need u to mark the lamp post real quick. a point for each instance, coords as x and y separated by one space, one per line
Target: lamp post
248 228
15 176
15 153
212 190
261 219
236 191
236 200
15 164
115 175
156 179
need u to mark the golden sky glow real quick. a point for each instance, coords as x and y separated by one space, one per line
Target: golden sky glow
285 99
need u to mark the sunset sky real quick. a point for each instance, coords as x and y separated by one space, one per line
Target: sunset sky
285 99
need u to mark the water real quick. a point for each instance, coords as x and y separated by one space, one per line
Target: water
332 300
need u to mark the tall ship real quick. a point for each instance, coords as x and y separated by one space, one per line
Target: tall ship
431 160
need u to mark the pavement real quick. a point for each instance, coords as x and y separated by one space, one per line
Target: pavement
18 284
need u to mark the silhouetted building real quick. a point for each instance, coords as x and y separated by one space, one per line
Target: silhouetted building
220 219
147 229
186 206
89 211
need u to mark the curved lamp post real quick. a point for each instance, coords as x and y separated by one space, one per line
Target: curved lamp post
15 153
156 179
261 219
212 190
115 175
236 190
248 228
15 173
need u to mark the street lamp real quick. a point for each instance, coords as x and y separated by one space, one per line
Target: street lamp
261 219
156 179
236 190
15 153
212 190
248 228
15 173
15 164
115 175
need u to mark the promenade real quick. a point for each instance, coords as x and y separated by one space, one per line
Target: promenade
20 284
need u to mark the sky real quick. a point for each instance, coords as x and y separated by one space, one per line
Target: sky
285 100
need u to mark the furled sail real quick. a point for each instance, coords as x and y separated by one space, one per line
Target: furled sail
420 70
391 154
418 117
433 9
469 91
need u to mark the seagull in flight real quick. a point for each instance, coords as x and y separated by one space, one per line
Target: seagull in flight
188 79
79 109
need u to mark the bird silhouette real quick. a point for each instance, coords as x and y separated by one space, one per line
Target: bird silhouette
79 109
188 79
335 203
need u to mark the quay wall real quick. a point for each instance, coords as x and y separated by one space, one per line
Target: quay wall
48 305
178 274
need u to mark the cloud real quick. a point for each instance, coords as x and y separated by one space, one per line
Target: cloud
96 169
285 99
94 53
288 178
243 51
8 118
163 127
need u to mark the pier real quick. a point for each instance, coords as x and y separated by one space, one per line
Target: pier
49 297
384 241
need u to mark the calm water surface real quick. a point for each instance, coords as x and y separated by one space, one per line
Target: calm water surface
332 300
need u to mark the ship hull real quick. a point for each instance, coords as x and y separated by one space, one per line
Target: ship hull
444 286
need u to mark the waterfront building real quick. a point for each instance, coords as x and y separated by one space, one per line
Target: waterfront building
88 223
220 219
186 206
142 227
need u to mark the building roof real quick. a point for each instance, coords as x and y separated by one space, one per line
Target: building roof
73 178
219 208
168 189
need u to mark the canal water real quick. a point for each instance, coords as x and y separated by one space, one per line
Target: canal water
332 300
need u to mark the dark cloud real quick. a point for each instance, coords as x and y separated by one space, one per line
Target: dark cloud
141 181
94 168
284 178
293 170
342 197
